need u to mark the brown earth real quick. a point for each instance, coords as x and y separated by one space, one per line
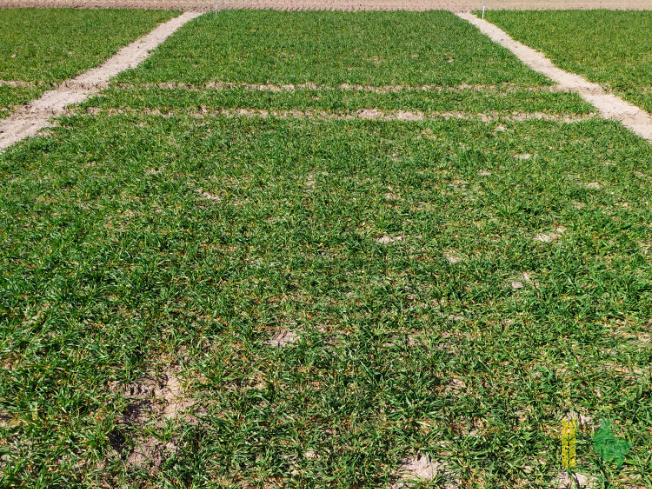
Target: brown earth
348 5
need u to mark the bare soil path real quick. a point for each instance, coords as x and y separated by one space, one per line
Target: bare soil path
28 120
454 5
609 105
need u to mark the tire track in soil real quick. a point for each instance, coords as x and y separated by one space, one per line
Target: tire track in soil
27 120
610 106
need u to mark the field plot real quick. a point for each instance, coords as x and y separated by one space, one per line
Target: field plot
333 48
607 47
212 283
337 62
40 48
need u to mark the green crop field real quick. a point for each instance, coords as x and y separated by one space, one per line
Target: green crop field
43 47
611 48
332 48
210 283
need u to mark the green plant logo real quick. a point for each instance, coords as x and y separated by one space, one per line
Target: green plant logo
608 446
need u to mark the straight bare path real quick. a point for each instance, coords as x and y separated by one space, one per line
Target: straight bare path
28 120
454 5
609 105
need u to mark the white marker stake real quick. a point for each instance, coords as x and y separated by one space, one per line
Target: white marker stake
483 7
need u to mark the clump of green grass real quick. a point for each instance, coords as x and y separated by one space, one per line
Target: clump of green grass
131 244
608 47
368 48
12 96
610 448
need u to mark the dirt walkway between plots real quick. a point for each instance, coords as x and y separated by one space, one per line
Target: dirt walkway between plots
347 5
365 114
220 86
609 105
28 120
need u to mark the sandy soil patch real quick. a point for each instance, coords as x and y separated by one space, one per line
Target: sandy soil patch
153 401
522 279
389 239
551 236
422 468
453 257
564 481
208 196
282 338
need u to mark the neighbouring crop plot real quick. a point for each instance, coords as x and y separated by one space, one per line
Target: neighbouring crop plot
337 62
333 48
43 47
209 283
607 47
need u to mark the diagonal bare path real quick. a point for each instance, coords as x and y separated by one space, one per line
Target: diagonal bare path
29 119
609 105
